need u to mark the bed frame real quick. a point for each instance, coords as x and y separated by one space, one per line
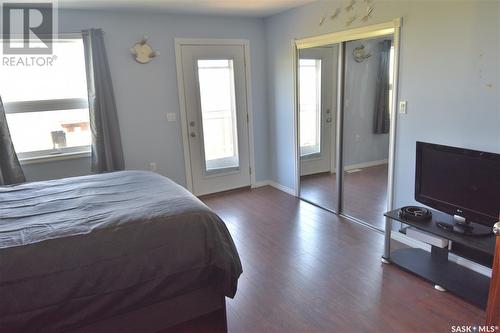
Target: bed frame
200 310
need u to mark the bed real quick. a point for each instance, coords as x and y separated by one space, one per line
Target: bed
126 251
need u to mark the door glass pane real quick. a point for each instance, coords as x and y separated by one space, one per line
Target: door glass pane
310 106
218 110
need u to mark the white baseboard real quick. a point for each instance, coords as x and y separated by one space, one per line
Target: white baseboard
276 185
365 164
397 236
283 188
261 183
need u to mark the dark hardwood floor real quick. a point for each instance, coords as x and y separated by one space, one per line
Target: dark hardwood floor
308 270
365 193
320 189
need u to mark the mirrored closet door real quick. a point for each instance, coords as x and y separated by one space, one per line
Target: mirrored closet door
345 97
366 127
317 72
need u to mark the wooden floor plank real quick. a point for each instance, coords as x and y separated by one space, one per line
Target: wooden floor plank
365 193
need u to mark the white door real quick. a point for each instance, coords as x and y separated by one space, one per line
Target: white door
317 95
217 116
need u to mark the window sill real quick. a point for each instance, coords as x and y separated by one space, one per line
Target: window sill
54 158
310 157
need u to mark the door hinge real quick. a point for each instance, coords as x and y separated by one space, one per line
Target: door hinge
248 118
249 170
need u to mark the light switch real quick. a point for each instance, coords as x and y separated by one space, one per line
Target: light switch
402 107
171 116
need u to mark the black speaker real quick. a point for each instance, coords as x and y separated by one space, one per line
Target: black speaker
415 213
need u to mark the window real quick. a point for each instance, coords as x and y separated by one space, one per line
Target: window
310 107
218 109
47 105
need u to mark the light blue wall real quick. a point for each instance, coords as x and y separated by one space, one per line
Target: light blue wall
57 169
146 93
449 74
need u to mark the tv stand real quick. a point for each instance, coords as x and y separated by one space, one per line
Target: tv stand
434 266
465 227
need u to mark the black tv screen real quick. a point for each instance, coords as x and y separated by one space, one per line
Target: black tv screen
459 182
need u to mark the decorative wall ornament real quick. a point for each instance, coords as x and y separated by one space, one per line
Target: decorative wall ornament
369 11
360 54
143 52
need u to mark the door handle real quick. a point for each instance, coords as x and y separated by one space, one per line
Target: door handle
191 123
193 134
496 229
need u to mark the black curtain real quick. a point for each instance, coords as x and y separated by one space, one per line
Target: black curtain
10 168
381 123
107 152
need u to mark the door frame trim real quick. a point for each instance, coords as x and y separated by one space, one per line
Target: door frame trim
179 42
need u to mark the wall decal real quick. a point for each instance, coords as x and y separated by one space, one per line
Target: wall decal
335 14
350 20
350 5
369 11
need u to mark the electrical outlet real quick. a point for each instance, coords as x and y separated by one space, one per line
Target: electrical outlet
402 107
152 166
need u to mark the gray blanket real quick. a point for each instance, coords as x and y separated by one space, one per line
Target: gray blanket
81 249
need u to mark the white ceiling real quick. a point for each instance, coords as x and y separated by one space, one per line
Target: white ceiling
250 8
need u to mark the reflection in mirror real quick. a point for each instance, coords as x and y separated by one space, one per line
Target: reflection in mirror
367 95
317 69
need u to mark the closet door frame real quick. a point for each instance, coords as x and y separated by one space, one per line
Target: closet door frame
392 28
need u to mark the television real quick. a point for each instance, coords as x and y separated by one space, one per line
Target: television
461 182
